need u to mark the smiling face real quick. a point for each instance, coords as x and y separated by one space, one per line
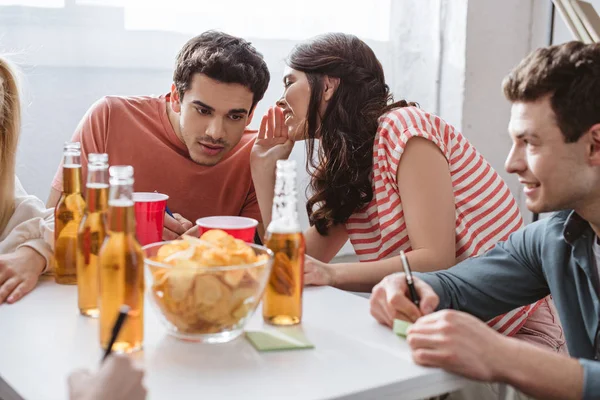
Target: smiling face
294 102
212 117
556 175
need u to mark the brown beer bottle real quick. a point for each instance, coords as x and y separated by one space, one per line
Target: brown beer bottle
92 232
121 266
67 216
282 302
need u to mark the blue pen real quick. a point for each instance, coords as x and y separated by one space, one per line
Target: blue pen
167 208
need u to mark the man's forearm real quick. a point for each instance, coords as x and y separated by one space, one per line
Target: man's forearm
538 372
489 285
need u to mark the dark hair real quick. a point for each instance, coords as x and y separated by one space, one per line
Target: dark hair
341 174
570 74
224 58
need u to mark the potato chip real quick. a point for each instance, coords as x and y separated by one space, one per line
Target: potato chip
214 236
234 277
209 290
194 241
243 296
215 257
212 297
170 248
186 254
242 255
180 282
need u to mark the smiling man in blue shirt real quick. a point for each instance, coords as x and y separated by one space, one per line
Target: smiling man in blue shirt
555 128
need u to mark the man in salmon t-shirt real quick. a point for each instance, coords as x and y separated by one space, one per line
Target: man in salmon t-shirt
192 143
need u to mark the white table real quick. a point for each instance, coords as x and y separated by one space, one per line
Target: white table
43 338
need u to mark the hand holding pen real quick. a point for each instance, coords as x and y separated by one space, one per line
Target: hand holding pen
175 225
402 296
414 297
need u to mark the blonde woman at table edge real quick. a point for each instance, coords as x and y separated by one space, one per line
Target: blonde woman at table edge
388 176
26 228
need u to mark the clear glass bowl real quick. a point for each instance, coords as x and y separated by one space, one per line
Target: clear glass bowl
206 304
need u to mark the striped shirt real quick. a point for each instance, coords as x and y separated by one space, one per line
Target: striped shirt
486 211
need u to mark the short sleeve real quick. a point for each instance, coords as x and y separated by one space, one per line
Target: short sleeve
398 126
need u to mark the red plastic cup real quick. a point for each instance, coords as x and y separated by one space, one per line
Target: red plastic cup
239 227
149 216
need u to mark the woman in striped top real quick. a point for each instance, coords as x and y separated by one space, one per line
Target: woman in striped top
389 177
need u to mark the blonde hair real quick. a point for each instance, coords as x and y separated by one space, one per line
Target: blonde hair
10 126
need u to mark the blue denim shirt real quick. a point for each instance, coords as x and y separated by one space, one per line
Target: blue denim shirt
552 256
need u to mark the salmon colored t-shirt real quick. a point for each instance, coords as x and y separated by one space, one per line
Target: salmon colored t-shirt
136 131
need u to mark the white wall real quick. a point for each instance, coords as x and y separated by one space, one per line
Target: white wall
454 59
499 36
70 57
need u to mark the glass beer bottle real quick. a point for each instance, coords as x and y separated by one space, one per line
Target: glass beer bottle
67 216
92 232
282 302
121 267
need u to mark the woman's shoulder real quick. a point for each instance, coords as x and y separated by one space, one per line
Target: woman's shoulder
398 125
402 119
416 121
411 116
400 115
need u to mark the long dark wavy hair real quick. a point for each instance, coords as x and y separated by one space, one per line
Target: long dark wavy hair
341 171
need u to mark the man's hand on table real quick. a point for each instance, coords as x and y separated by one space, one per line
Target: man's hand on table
459 343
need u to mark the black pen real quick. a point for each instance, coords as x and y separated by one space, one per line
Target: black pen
123 312
409 279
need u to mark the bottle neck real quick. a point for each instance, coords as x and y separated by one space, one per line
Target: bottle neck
284 216
97 174
97 189
120 208
71 177
96 197
121 218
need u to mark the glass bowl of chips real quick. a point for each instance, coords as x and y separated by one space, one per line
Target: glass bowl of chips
206 289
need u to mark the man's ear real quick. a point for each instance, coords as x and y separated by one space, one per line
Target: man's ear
175 100
594 146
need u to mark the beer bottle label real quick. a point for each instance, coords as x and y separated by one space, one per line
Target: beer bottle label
65 216
85 246
95 243
282 275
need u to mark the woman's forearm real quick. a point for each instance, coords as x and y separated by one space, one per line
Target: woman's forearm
361 277
263 177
